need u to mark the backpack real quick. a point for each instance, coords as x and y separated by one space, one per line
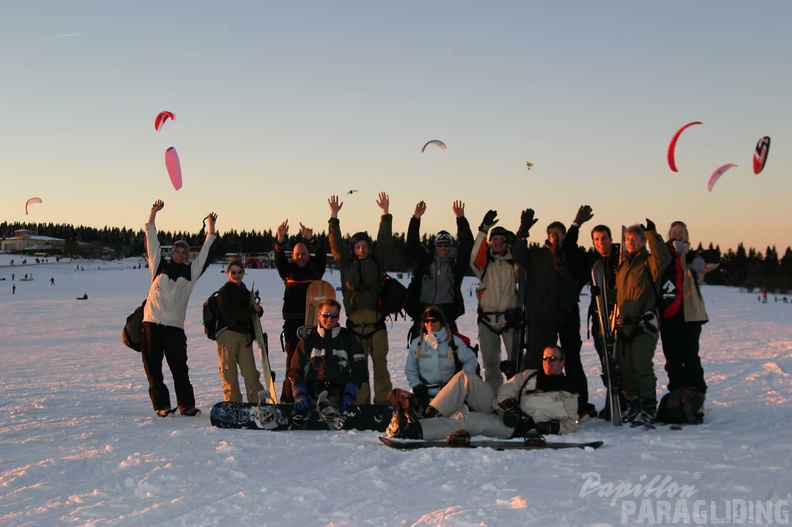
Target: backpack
211 318
392 297
132 333
681 406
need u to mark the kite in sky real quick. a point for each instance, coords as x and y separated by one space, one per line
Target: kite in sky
717 174
760 155
529 165
31 201
437 142
174 167
672 145
161 118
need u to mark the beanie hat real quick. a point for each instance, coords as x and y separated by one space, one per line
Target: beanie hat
443 237
360 237
500 231
181 244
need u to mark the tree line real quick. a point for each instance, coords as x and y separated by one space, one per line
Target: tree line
750 269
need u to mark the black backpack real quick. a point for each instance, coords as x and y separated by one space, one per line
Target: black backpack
392 297
211 318
681 406
132 334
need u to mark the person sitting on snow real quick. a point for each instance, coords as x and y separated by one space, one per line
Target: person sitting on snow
330 360
434 357
540 400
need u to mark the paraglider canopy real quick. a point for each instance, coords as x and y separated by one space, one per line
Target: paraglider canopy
760 155
161 118
529 165
174 167
672 145
436 142
31 201
717 174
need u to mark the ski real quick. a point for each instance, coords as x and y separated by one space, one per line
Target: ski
599 291
261 339
462 439
283 417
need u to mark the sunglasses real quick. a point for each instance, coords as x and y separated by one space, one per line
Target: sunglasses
551 359
237 271
328 315
430 320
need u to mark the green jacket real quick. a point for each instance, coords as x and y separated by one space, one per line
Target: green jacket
360 279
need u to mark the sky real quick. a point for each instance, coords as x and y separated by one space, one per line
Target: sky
279 105
80 445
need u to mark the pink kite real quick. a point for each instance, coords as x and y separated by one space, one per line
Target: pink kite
174 168
717 174
672 146
29 202
161 118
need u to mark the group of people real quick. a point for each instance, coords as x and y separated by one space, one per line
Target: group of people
528 303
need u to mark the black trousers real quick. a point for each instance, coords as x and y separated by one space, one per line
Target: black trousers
171 343
290 341
568 328
681 350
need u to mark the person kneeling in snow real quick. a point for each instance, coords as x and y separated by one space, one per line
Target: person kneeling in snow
541 400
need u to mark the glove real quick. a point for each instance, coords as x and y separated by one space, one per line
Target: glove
650 226
301 400
549 427
515 418
697 265
583 215
421 394
527 221
489 220
349 397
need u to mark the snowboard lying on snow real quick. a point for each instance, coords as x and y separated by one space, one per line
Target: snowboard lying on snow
277 417
462 439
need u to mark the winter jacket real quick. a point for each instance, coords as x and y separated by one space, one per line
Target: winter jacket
637 282
499 277
234 308
297 279
171 284
328 360
543 398
432 361
680 287
427 263
360 279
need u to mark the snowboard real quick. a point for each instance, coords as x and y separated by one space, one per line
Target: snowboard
462 439
280 417
318 291
268 379
599 290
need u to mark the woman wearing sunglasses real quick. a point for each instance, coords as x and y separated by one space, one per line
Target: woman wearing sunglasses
434 357
235 336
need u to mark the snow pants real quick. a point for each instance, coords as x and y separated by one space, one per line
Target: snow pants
465 402
234 349
374 341
171 343
681 350
490 348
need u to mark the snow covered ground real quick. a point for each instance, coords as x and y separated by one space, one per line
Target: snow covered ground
80 444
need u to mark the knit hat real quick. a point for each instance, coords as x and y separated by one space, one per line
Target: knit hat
500 231
443 237
360 237
181 244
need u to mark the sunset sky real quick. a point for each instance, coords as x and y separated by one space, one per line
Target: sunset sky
280 104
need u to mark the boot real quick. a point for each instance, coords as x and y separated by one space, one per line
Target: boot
405 425
632 409
648 412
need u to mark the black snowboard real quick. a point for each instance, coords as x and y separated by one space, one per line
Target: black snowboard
497 444
285 417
